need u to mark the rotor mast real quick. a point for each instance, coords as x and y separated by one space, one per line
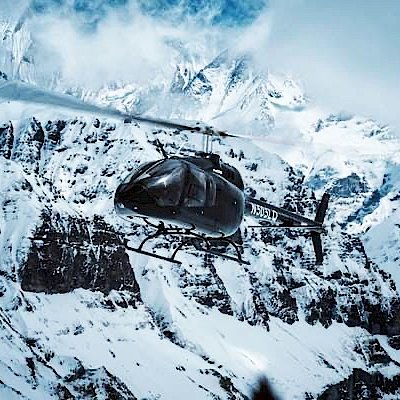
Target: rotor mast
208 142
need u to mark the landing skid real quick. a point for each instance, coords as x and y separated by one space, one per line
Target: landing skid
199 242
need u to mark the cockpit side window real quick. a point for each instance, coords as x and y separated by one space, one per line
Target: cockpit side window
200 191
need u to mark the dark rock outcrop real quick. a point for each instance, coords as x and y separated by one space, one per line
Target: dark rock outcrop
97 383
68 253
362 385
54 130
207 288
6 140
27 149
394 342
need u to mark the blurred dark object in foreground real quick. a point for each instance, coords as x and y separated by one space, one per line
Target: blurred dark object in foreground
264 391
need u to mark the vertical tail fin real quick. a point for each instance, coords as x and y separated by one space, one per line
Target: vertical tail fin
321 211
316 236
317 243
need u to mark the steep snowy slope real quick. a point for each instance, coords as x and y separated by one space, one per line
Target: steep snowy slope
82 317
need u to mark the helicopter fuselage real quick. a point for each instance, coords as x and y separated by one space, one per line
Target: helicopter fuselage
187 192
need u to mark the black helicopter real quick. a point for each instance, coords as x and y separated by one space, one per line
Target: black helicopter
203 198
198 198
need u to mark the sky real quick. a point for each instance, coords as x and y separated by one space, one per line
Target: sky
346 53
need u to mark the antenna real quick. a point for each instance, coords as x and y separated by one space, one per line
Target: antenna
160 148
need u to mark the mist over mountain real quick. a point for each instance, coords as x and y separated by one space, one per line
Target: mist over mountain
345 55
82 316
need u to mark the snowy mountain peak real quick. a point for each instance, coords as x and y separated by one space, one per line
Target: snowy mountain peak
84 317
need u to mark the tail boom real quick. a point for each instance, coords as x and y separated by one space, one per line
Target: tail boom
289 220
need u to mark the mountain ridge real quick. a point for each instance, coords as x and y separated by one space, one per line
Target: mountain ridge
83 317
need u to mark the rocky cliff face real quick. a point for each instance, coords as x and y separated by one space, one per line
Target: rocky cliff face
83 317
72 254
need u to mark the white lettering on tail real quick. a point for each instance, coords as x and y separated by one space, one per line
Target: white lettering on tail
263 212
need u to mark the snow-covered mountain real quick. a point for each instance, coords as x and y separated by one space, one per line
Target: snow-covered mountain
83 317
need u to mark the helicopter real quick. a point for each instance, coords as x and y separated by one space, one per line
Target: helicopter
198 198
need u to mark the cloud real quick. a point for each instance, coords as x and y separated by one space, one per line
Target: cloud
345 52
92 42
13 9
125 46
116 51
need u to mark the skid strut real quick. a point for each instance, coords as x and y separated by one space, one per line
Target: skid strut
190 239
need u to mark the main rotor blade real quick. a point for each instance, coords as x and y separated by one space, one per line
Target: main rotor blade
17 91
192 126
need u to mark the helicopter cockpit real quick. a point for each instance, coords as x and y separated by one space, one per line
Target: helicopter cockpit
159 184
168 183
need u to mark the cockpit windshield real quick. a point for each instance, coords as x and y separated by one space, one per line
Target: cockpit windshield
164 182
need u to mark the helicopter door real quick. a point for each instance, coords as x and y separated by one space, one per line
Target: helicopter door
196 193
201 189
